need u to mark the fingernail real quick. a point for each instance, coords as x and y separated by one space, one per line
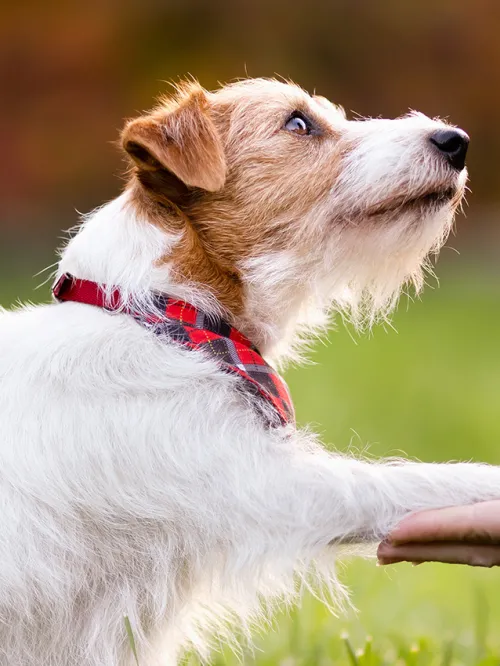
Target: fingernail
393 539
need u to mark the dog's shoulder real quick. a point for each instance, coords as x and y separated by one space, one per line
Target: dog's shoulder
84 380
79 348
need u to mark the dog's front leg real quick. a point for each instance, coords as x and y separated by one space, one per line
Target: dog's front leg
388 490
324 498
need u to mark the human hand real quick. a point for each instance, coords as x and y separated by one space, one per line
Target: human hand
455 535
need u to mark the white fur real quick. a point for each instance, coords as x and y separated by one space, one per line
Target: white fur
135 479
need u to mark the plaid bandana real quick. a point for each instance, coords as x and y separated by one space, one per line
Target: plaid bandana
194 329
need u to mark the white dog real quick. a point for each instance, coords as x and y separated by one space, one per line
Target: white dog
150 466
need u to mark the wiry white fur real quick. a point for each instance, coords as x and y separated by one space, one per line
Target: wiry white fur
345 255
136 479
136 247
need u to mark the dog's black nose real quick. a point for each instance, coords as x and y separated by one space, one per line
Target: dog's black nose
453 144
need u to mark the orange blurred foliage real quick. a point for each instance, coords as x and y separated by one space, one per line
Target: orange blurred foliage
70 72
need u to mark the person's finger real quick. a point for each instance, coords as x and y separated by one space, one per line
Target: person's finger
482 555
475 522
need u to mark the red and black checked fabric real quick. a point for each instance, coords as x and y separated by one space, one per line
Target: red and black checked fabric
194 329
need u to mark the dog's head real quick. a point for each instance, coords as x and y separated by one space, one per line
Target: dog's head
284 207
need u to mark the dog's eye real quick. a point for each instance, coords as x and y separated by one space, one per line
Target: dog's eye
298 124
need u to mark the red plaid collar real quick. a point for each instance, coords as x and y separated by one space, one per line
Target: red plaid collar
197 330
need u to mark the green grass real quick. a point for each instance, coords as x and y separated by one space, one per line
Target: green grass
432 391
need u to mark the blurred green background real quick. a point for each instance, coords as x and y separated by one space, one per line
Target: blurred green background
429 387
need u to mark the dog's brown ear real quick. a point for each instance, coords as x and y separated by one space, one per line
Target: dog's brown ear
178 138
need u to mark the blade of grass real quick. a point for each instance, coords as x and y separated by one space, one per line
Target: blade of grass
413 655
448 654
131 638
367 659
350 651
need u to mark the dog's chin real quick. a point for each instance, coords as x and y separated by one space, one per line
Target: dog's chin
424 204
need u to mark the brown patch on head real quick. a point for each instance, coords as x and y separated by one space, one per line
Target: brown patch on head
276 177
223 169
178 155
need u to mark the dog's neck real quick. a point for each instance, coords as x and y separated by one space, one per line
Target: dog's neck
116 247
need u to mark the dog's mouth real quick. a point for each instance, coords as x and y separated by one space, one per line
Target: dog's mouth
434 199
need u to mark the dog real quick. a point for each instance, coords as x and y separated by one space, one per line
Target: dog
152 476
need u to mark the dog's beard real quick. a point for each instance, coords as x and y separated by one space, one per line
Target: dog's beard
357 268
376 257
